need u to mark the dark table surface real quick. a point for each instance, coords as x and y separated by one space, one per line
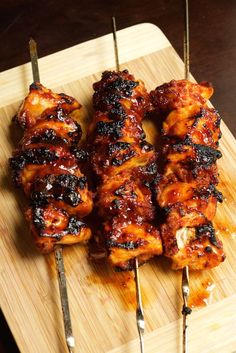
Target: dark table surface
57 25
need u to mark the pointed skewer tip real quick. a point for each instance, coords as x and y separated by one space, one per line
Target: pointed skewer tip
34 59
32 44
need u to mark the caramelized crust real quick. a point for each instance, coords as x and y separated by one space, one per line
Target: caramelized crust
54 127
28 163
46 166
195 124
64 190
126 195
39 100
118 93
114 158
197 247
52 226
187 190
180 94
126 128
123 161
127 239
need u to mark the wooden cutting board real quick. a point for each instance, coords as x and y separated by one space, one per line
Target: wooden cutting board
102 302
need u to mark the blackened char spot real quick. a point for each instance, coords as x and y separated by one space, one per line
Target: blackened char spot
208 249
116 111
218 120
82 182
110 90
151 168
67 99
79 153
116 204
206 155
57 114
63 187
50 136
40 155
39 198
118 146
207 230
198 116
71 181
124 87
73 198
110 128
210 190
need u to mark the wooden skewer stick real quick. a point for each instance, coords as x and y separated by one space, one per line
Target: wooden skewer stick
185 273
57 249
139 306
115 43
34 59
186 40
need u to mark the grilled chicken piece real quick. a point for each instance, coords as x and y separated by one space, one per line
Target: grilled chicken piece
195 247
115 157
194 124
126 195
118 93
67 191
47 167
123 162
39 100
128 127
187 190
127 239
52 226
55 126
180 94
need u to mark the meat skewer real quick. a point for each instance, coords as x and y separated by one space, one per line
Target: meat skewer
187 191
139 306
46 166
125 165
185 272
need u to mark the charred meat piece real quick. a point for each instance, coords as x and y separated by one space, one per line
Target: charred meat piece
67 191
52 226
123 162
194 124
127 239
187 190
118 93
47 167
180 94
40 100
195 247
128 195
55 127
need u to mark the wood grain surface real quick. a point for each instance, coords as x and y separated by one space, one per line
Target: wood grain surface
102 301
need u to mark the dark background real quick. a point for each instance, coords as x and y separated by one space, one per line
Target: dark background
57 25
